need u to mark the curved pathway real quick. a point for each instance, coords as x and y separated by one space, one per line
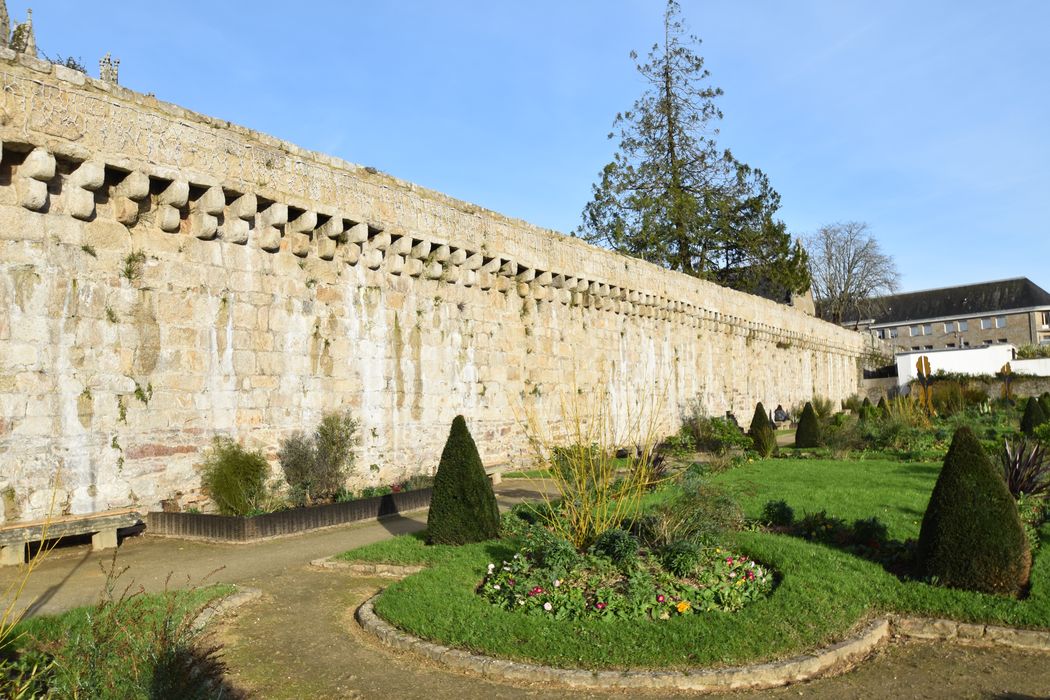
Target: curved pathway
300 640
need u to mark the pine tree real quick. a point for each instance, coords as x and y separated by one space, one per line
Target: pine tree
463 507
971 534
672 197
761 432
807 434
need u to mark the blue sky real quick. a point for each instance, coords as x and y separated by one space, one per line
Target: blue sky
928 120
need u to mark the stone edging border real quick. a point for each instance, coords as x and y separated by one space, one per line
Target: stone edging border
367 569
834 659
239 597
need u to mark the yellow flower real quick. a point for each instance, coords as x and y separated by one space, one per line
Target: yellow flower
683 605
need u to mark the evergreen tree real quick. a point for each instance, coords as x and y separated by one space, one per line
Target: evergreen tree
672 197
883 409
761 432
463 507
807 434
1033 416
971 534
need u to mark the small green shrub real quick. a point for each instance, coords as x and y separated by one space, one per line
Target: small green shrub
807 434
234 478
971 535
619 546
882 407
700 512
853 404
762 437
463 508
778 514
681 558
824 407
1033 417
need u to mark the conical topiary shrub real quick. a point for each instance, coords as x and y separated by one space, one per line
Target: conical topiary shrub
882 407
463 507
761 432
1033 416
971 535
807 434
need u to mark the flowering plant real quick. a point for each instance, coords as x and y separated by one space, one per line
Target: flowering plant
593 587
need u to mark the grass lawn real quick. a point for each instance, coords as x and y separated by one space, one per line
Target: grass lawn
139 647
822 593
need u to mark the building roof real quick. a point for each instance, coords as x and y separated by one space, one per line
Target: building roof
966 300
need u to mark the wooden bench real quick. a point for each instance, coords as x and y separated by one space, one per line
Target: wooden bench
101 526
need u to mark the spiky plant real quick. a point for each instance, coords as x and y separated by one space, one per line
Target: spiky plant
1025 468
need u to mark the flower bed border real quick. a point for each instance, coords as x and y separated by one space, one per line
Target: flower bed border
228 528
831 660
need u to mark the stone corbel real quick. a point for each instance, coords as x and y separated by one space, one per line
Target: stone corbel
269 226
327 237
469 277
372 258
240 214
395 264
300 231
205 211
457 257
358 233
485 280
351 253
473 262
420 250
169 203
88 177
440 253
433 270
126 197
413 267
32 178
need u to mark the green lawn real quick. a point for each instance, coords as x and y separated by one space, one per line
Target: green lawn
822 593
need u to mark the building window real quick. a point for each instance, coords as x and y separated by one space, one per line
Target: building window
964 325
1044 338
880 333
927 329
1044 319
927 347
891 332
987 341
949 345
986 323
915 331
966 343
915 347
949 327
1003 341
1000 321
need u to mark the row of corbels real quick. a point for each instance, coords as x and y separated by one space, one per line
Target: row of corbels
210 211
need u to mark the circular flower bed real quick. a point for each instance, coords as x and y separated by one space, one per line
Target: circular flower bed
548 577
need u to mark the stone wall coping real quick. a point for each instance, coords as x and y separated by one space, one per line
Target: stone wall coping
830 660
241 596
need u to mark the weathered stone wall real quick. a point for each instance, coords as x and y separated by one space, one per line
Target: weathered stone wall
165 277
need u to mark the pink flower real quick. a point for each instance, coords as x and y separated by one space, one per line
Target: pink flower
729 560
536 590
510 582
600 606
660 598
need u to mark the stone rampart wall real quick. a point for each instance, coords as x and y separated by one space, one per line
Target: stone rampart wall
166 277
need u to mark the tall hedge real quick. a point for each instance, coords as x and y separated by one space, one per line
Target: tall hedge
761 432
807 434
971 534
1033 416
463 507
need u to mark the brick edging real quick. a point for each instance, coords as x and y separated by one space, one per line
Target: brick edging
830 660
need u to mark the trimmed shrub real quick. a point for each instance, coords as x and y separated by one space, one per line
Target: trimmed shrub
807 434
1033 416
971 534
233 477
463 507
762 436
882 407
